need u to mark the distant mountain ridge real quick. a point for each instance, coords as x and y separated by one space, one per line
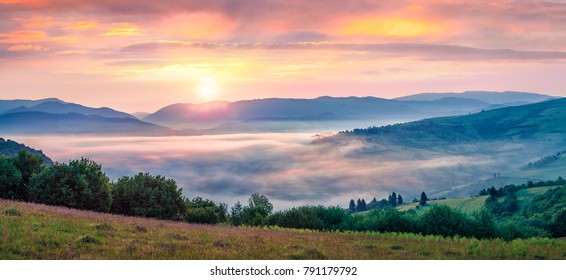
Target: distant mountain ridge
245 114
258 115
74 123
7 105
60 107
484 96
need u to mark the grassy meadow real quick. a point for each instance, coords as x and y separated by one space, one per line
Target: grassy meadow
33 231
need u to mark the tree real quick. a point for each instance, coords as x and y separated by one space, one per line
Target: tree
493 192
393 199
80 184
204 211
373 204
445 221
148 196
352 206
236 214
10 179
483 224
362 206
257 210
399 200
29 165
260 202
558 223
424 199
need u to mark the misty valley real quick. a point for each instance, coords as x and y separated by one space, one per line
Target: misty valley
299 168
494 172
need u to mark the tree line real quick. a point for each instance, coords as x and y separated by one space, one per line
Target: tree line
392 201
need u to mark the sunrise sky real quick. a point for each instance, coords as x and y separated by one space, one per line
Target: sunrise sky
142 55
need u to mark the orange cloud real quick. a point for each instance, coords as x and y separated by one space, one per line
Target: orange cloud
123 29
83 25
37 22
23 36
16 48
387 27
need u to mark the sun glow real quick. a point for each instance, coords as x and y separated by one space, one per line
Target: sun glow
207 87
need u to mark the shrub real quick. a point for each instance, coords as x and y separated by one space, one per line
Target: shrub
445 221
29 165
148 196
12 211
204 211
10 180
80 184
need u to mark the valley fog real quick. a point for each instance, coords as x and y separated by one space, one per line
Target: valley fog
290 168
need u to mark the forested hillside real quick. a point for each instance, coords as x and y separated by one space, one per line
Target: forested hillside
11 148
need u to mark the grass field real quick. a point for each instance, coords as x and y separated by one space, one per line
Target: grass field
31 231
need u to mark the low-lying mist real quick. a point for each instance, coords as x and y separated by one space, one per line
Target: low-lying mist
287 167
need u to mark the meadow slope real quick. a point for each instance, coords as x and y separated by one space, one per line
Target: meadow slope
32 231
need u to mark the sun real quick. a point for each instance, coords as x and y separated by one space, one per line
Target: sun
207 87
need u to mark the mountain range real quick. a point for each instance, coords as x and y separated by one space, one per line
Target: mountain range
54 116
259 115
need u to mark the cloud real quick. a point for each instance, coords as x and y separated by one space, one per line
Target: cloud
419 51
16 48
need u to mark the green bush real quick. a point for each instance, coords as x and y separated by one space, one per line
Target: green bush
10 180
80 184
29 165
205 211
445 221
148 196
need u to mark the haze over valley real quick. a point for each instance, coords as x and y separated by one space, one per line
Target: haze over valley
290 149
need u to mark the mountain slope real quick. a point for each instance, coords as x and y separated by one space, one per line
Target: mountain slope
59 107
539 121
214 114
11 149
245 115
7 105
73 123
484 96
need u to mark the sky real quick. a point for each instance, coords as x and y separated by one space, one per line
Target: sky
142 55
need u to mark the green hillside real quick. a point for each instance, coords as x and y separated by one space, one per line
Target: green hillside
539 121
11 148
32 231
471 204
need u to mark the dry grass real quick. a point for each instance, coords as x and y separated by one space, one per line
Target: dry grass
46 232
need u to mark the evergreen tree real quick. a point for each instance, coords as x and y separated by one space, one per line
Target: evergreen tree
359 205
363 205
352 206
399 200
493 192
393 200
424 199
